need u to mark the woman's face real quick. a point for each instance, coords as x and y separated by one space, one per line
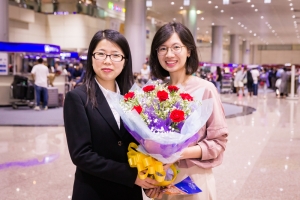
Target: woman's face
172 61
107 70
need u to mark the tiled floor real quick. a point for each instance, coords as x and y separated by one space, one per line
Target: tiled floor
262 159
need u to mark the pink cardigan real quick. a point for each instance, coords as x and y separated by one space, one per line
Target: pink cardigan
214 132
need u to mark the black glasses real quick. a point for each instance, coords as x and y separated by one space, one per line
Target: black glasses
163 50
103 56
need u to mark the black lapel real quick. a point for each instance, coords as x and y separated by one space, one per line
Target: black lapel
105 110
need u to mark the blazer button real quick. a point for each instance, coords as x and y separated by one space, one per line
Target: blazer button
120 143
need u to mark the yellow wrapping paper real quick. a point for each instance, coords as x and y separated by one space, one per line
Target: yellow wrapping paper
148 166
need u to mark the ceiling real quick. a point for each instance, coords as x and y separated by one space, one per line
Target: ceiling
277 22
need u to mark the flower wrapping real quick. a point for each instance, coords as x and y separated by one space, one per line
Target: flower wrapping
163 119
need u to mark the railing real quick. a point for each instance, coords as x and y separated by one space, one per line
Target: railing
54 8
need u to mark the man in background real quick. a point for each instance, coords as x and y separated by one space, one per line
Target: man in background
40 74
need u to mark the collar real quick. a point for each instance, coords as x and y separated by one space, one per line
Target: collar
105 91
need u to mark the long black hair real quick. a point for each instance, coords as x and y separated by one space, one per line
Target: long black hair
125 78
161 36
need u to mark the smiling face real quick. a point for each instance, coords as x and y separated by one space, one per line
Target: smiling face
107 70
174 62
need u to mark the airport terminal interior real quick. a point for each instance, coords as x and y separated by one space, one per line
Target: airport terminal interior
233 37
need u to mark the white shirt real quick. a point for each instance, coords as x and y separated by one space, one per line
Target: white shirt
145 73
113 110
41 73
255 75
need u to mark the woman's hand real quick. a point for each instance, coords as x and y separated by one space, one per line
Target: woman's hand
154 193
147 183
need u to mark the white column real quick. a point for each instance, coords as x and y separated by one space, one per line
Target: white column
135 31
190 18
234 49
292 94
246 52
4 20
217 44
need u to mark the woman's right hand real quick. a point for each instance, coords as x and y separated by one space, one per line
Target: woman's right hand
146 183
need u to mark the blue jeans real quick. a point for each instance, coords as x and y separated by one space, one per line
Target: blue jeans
41 92
255 89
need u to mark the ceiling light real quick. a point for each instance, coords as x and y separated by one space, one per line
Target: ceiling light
256 10
222 11
206 32
202 18
293 16
148 8
186 2
209 2
267 1
292 8
225 2
174 19
239 23
198 28
245 27
242 25
172 3
254 34
252 5
262 17
181 7
149 3
231 17
216 7
212 24
250 31
228 31
291 4
273 31
248 1
198 12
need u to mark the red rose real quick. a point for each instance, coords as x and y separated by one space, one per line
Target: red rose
162 95
186 96
128 96
173 88
148 88
177 116
138 108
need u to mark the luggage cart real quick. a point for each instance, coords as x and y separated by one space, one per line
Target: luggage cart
22 92
226 84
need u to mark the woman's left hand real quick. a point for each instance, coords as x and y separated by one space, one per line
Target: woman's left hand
154 193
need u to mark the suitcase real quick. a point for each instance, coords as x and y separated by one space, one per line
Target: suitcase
19 91
53 97
30 92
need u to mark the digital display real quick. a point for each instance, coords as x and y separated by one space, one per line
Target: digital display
29 47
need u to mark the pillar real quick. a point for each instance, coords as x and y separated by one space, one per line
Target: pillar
190 18
246 52
234 49
135 31
217 44
4 20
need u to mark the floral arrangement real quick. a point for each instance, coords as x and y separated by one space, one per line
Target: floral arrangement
162 108
164 120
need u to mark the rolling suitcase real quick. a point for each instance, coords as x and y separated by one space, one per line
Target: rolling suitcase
53 97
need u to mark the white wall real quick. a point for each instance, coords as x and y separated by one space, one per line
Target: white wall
277 57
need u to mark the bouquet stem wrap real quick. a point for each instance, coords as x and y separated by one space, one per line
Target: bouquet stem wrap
148 166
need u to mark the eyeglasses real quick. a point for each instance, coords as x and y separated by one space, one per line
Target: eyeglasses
163 50
103 56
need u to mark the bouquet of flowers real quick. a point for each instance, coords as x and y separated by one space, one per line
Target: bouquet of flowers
163 119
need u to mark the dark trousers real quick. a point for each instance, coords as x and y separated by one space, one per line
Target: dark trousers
255 89
41 92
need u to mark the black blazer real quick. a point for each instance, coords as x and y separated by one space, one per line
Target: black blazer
98 148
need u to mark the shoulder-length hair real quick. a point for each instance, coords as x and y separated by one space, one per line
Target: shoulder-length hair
161 36
125 78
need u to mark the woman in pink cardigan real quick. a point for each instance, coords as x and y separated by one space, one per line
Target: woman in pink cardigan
174 54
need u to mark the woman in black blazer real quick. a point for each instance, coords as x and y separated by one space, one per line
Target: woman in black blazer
96 137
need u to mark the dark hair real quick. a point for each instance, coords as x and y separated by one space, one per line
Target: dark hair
219 70
40 60
125 78
161 36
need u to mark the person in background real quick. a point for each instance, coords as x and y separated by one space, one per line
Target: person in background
249 83
96 137
238 80
283 88
40 73
145 74
255 76
219 78
263 82
174 54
